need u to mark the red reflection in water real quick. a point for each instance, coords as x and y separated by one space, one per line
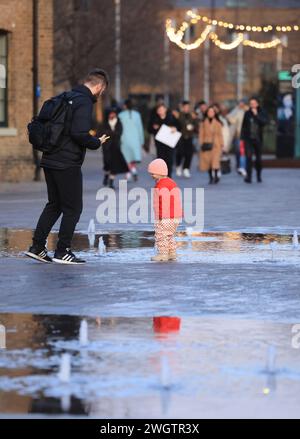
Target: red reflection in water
166 325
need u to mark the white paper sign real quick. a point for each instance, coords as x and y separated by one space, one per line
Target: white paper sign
168 137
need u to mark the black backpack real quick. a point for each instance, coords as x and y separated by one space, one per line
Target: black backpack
46 131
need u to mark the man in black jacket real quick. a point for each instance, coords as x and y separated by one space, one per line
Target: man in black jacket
63 172
252 133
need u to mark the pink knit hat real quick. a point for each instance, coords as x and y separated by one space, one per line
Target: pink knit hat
158 167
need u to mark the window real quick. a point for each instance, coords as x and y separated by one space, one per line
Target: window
3 79
232 73
236 3
268 70
81 5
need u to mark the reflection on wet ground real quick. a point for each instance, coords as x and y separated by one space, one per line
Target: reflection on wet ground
137 246
148 367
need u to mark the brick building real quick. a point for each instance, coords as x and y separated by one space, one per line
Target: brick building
150 65
16 81
76 35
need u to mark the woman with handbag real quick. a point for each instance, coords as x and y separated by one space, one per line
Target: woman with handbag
212 143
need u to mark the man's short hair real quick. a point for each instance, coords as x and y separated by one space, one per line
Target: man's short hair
97 76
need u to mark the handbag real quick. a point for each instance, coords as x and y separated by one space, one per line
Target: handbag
207 147
225 165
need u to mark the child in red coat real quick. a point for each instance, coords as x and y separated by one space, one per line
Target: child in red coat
168 211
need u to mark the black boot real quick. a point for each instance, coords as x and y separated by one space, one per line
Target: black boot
259 179
217 178
211 180
248 179
111 183
106 180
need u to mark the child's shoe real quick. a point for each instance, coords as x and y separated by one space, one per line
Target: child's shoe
160 258
172 256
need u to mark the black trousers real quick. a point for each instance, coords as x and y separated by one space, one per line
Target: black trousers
167 154
253 147
64 197
185 152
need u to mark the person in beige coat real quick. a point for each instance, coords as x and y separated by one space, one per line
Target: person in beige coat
211 145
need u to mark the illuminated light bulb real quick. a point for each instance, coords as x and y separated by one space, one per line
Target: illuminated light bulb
226 46
177 36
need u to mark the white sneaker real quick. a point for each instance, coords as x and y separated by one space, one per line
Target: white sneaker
242 172
186 173
179 171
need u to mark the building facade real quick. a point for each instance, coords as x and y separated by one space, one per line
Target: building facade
17 78
77 35
151 65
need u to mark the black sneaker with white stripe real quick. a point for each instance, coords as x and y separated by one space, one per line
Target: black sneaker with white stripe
39 254
67 258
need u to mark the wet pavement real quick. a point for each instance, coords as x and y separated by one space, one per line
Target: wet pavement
231 206
234 294
255 276
148 367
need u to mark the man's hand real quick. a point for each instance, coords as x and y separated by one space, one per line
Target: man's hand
103 139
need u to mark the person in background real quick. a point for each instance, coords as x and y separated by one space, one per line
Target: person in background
236 118
185 148
114 161
164 152
211 145
158 101
132 139
200 110
254 122
222 112
167 209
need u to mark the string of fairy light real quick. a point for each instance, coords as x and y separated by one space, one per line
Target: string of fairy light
240 33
